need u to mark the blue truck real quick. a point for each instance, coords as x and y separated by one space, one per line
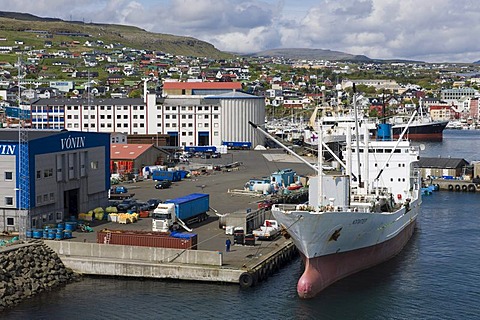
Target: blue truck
237 145
160 175
179 212
209 149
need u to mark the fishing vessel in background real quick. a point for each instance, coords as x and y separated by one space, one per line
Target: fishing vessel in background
356 218
421 129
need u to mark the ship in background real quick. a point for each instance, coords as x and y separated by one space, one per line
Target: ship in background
423 128
358 217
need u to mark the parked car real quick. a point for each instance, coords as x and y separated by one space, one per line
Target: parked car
140 206
216 155
205 155
153 203
164 184
126 205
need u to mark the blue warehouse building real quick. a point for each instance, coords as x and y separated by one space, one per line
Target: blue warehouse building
49 176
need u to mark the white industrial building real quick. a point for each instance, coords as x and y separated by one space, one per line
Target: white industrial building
186 119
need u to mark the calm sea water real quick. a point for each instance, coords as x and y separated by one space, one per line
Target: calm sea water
437 276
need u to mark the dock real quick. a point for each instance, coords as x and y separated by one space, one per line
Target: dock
456 185
245 265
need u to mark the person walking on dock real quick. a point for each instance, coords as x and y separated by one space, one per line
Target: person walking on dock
227 245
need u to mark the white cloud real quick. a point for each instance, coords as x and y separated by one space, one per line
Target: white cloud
432 30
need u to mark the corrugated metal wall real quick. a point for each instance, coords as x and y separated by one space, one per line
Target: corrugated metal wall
235 116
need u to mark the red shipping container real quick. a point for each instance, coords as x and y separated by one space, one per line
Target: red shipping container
148 239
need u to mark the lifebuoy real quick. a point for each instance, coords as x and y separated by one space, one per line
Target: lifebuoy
464 187
399 196
471 188
450 187
246 280
457 187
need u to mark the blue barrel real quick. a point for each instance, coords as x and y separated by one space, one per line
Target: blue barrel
61 225
60 230
45 233
59 235
71 226
67 234
51 234
29 233
37 233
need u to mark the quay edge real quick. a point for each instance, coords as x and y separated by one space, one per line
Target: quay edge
162 263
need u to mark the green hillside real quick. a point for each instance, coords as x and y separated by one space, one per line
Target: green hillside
15 26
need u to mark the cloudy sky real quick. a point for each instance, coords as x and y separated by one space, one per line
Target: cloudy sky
428 30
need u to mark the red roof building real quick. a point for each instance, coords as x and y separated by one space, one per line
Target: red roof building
131 158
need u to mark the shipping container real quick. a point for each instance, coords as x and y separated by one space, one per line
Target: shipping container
200 148
238 145
190 205
149 239
161 175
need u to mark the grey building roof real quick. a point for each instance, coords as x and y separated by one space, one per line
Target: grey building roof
234 95
92 102
7 134
442 163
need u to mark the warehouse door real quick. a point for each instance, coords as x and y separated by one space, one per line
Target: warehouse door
71 203
203 138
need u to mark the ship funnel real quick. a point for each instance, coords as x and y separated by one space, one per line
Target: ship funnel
384 132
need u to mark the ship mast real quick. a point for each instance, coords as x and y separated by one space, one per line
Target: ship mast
357 138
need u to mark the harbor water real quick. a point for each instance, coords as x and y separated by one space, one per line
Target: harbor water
435 277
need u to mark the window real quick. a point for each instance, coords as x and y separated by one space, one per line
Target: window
9 201
39 199
215 108
10 222
52 196
215 116
200 108
8 175
45 197
59 216
94 165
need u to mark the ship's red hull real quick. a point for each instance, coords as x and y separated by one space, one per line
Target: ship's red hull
320 272
423 136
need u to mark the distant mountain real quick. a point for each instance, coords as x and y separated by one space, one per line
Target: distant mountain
322 54
110 33
311 54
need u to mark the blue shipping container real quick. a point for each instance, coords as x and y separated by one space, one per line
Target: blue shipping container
200 148
190 205
160 175
237 144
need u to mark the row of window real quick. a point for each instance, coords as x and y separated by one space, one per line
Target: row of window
45 198
105 107
159 107
51 217
46 173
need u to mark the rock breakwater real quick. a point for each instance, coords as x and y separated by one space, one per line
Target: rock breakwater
28 269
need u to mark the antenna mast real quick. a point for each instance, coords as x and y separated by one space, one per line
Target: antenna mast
23 185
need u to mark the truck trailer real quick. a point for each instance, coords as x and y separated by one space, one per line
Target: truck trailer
180 212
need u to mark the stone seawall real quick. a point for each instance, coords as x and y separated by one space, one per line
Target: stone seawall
28 269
